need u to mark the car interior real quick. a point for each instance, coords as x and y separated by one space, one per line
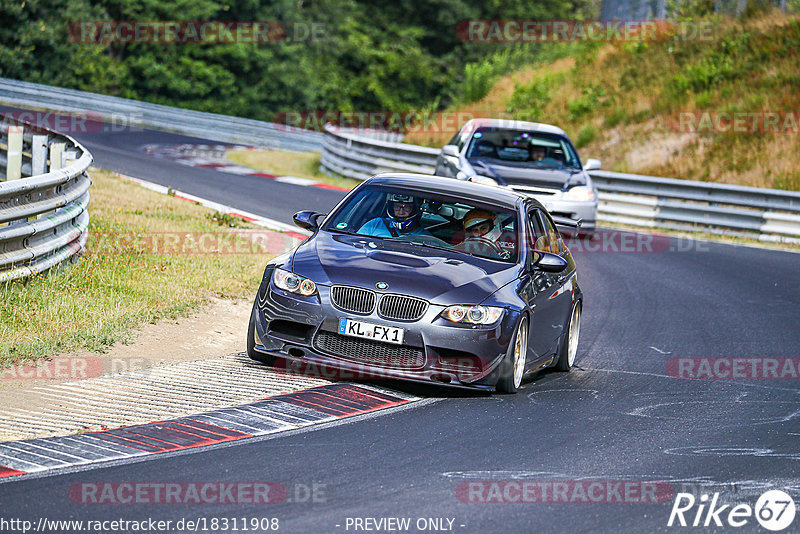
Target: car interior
518 146
443 218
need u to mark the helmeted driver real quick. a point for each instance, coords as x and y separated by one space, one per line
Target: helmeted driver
402 216
482 231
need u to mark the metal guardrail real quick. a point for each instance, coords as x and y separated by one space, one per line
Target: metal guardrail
359 156
625 198
133 113
647 201
772 214
44 193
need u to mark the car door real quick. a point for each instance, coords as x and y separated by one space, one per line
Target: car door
537 290
562 283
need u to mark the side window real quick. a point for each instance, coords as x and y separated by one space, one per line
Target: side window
455 138
536 235
552 239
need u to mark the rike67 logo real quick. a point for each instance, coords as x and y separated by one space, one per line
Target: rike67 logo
774 510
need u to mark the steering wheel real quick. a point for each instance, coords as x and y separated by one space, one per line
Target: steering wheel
470 244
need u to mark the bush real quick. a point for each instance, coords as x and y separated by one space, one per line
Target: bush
588 102
586 135
615 117
703 75
478 80
528 101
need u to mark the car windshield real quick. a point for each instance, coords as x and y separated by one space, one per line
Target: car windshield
436 221
523 148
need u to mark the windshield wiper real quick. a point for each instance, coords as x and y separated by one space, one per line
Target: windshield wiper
422 243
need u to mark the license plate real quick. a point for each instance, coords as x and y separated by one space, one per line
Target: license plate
378 332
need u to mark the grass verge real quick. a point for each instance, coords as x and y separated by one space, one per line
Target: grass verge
142 264
284 163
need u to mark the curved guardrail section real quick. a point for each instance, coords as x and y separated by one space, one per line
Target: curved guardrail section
43 202
631 199
127 112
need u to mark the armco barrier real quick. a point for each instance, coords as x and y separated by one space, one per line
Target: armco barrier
649 201
126 112
44 193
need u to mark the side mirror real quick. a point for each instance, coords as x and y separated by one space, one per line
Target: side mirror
307 220
550 263
450 150
593 165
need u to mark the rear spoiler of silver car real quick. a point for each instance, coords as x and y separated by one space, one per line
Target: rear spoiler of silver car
567 222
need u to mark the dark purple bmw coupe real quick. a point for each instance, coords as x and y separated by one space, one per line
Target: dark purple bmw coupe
423 278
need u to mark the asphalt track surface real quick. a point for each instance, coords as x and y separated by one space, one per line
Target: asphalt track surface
618 416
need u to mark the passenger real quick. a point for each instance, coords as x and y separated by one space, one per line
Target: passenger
403 217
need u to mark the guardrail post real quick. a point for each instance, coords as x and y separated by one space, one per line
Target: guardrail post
14 162
38 155
57 161
56 156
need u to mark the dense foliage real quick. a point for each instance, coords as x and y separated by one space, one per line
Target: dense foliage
370 54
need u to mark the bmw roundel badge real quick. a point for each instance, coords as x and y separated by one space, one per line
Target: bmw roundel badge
382 285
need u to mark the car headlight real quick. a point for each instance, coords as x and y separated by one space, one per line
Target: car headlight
472 314
580 193
288 281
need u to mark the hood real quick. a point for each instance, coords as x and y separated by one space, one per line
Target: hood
439 276
511 173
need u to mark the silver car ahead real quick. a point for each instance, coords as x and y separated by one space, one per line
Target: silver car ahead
535 159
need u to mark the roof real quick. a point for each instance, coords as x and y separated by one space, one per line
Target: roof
449 186
518 125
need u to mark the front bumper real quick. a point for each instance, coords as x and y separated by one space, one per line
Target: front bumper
586 211
556 204
303 332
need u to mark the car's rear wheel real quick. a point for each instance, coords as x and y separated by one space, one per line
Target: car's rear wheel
569 345
513 366
251 342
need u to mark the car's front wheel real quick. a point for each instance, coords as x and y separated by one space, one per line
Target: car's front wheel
251 342
569 345
513 366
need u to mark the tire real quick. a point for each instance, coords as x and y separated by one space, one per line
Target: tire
513 366
569 344
251 343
